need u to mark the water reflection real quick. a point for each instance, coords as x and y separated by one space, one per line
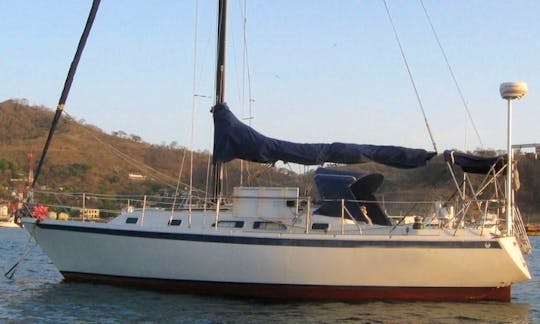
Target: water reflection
86 302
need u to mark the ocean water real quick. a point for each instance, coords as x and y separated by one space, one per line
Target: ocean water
37 294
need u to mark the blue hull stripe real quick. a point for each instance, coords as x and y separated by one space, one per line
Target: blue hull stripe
281 241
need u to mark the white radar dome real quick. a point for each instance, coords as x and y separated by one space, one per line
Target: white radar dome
513 90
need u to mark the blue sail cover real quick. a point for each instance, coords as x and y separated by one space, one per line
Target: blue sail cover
236 140
356 188
470 163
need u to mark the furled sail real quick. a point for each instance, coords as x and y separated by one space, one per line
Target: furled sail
236 140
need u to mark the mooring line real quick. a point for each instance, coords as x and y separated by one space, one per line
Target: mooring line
9 274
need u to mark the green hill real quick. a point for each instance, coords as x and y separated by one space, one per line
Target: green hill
82 158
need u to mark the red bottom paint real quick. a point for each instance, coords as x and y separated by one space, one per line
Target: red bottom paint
302 292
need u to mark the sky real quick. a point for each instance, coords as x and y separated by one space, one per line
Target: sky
319 71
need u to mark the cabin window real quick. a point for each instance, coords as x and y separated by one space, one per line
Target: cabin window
132 220
175 222
271 226
320 226
229 224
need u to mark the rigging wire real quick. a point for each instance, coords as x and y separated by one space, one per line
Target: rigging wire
64 95
193 103
410 75
452 73
11 272
157 175
243 81
246 72
207 183
177 189
125 157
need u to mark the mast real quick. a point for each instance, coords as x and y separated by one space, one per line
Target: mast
217 171
221 42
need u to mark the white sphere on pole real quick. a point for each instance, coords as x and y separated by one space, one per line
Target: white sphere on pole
513 90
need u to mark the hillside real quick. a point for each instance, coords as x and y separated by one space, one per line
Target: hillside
82 158
434 182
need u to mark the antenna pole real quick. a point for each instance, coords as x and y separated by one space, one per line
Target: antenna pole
510 91
510 153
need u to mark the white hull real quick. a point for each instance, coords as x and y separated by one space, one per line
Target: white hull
420 259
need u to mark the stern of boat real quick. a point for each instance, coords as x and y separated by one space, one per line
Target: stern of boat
512 247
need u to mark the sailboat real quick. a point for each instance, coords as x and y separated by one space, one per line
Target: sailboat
273 243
